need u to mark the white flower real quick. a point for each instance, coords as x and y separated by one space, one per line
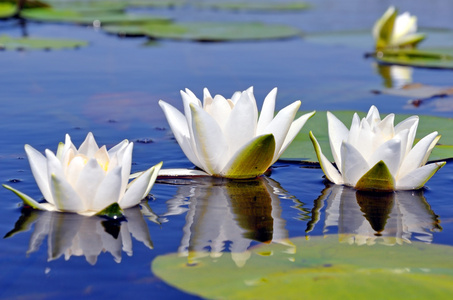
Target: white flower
225 137
374 155
88 179
396 31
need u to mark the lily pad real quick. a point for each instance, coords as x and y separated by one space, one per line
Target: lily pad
257 6
302 147
321 268
10 43
435 58
7 10
220 31
87 17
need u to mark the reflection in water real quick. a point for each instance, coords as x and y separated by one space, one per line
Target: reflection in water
226 216
394 76
73 234
367 218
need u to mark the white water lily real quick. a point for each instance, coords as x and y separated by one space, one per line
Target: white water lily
396 31
377 156
88 179
226 138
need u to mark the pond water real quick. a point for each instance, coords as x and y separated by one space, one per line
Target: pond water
111 88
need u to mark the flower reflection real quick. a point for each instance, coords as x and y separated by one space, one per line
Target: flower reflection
369 218
227 216
394 76
77 235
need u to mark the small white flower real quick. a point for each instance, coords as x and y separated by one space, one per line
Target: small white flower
396 31
374 155
225 137
88 179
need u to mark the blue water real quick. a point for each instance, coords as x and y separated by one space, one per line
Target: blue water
111 88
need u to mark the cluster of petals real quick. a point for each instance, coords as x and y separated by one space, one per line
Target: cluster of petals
88 179
393 30
375 155
227 138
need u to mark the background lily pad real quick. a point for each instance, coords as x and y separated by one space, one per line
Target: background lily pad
257 6
10 43
7 10
219 31
302 148
322 268
87 16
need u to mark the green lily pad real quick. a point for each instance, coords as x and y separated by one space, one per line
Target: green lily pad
87 17
219 31
10 43
321 268
302 147
436 58
257 6
7 10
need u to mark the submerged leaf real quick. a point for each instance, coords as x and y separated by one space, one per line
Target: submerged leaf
321 268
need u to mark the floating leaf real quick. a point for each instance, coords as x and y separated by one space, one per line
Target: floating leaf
7 10
219 31
436 58
321 268
302 148
257 6
87 17
10 43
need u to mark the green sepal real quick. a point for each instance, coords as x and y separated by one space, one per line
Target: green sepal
377 179
253 160
113 211
411 40
25 198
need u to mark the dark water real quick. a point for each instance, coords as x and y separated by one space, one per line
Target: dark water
112 87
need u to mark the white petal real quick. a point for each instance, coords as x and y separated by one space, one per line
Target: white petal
112 151
38 165
354 166
411 124
251 96
211 144
267 112
430 149
74 169
140 187
108 191
390 153
65 197
354 131
385 128
88 181
206 95
68 147
415 157
294 129
241 124
126 164
373 117
338 133
329 170
219 109
418 177
89 146
280 125
180 128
